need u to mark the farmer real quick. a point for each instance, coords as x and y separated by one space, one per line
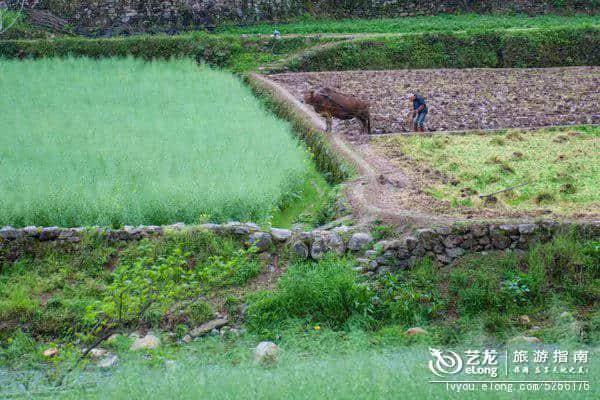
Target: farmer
419 112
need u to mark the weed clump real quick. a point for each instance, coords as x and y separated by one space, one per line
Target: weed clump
568 188
498 141
560 139
381 231
503 165
543 197
515 136
325 292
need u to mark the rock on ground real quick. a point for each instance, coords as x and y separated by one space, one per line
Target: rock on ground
208 327
261 240
50 352
97 353
147 342
266 352
359 240
301 250
281 235
525 320
525 339
415 331
108 361
113 338
327 242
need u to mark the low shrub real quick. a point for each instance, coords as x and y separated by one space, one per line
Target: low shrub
566 266
410 297
326 292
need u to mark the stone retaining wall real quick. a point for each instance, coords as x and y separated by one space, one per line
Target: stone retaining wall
443 243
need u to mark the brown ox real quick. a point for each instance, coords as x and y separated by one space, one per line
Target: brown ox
328 103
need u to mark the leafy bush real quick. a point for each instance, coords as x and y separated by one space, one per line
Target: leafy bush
410 297
235 269
566 266
515 289
326 292
145 288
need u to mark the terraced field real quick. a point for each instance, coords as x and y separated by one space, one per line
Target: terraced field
123 141
465 99
517 173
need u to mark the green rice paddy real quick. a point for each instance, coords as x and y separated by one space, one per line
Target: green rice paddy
123 141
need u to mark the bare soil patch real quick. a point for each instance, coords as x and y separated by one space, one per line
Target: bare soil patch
465 99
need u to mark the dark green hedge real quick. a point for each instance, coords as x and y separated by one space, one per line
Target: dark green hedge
495 49
228 51
138 46
552 48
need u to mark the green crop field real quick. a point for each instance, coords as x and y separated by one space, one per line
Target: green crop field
123 141
443 22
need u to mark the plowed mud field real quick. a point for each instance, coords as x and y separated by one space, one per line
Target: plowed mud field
464 99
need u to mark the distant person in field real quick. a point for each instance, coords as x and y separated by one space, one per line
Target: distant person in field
419 112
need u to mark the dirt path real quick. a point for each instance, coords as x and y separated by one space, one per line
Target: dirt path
281 65
369 35
369 198
392 192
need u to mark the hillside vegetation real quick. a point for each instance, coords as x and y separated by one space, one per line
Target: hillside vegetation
318 312
145 129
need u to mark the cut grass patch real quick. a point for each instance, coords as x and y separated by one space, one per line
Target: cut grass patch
123 141
559 168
